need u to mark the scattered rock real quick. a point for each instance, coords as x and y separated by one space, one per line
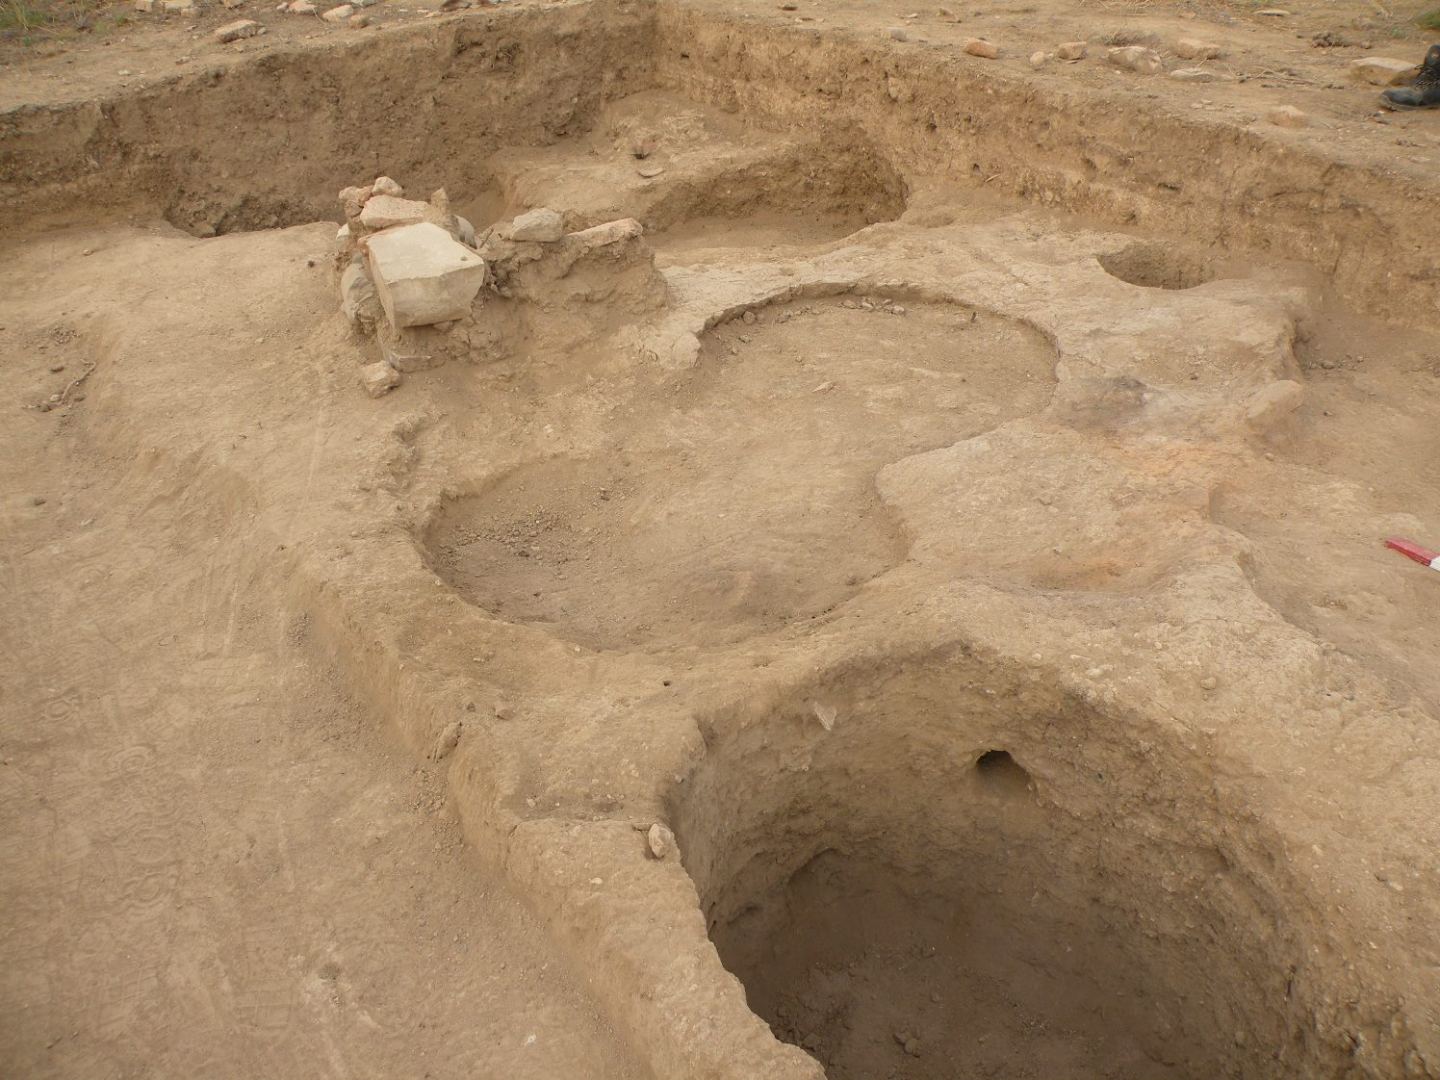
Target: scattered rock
464 231
383 185
1136 58
611 232
338 14
1191 49
1037 59
449 738
342 235
301 7
360 19
1272 405
541 226
386 211
1073 50
649 172
178 7
145 5
423 275
1209 682
1198 75
359 301
982 48
826 714
661 840
1274 13
241 28
1383 71
1287 116
231 5
379 379
898 33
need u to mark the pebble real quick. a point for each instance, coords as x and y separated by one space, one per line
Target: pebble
360 19
1196 75
338 14
379 379
1037 59
661 840
649 172
982 48
1209 682
241 28
748 318
1287 116
1073 50
1136 58
55 369
383 185
1191 49
897 33
38 500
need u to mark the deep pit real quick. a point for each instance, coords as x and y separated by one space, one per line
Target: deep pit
902 897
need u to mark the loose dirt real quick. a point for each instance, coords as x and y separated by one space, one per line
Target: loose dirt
958 516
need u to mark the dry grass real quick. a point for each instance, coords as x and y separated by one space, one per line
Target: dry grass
30 20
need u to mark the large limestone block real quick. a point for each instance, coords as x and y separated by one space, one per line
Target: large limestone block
423 275
386 211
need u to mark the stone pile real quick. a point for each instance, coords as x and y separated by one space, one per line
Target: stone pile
411 273
405 264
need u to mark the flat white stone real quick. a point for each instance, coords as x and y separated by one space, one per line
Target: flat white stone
423 275
386 211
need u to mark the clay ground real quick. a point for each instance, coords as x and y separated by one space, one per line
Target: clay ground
942 440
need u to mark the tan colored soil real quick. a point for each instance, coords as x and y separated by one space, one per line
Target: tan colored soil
897 521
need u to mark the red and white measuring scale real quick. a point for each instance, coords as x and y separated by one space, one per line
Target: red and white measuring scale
1414 551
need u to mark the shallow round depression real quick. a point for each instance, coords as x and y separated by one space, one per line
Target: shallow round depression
744 502
969 876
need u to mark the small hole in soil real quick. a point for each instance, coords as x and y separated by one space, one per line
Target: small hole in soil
1153 265
1000 772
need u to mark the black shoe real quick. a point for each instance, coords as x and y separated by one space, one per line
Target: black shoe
1424 91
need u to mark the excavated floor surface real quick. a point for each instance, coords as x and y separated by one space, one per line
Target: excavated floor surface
989 597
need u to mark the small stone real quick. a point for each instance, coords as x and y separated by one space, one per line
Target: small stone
231 5
386 211
55 369
649 172
1191 49
383 185
342 234
379 379
1195 75
301 7
982 48
448 739
423 275
611 232
661 840
541 225
1382 71
178 7
1271 405
241 28
1209 682
1274 13
912 1046
464 231
145 5
1287 116
338 14
359 301
1073 50
748 317
360 19
898 33
37 500
1136 58
1037 59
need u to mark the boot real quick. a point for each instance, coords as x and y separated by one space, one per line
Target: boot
1423 92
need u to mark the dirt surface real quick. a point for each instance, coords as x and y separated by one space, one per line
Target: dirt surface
955 512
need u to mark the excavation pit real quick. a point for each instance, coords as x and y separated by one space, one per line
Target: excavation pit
901 897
